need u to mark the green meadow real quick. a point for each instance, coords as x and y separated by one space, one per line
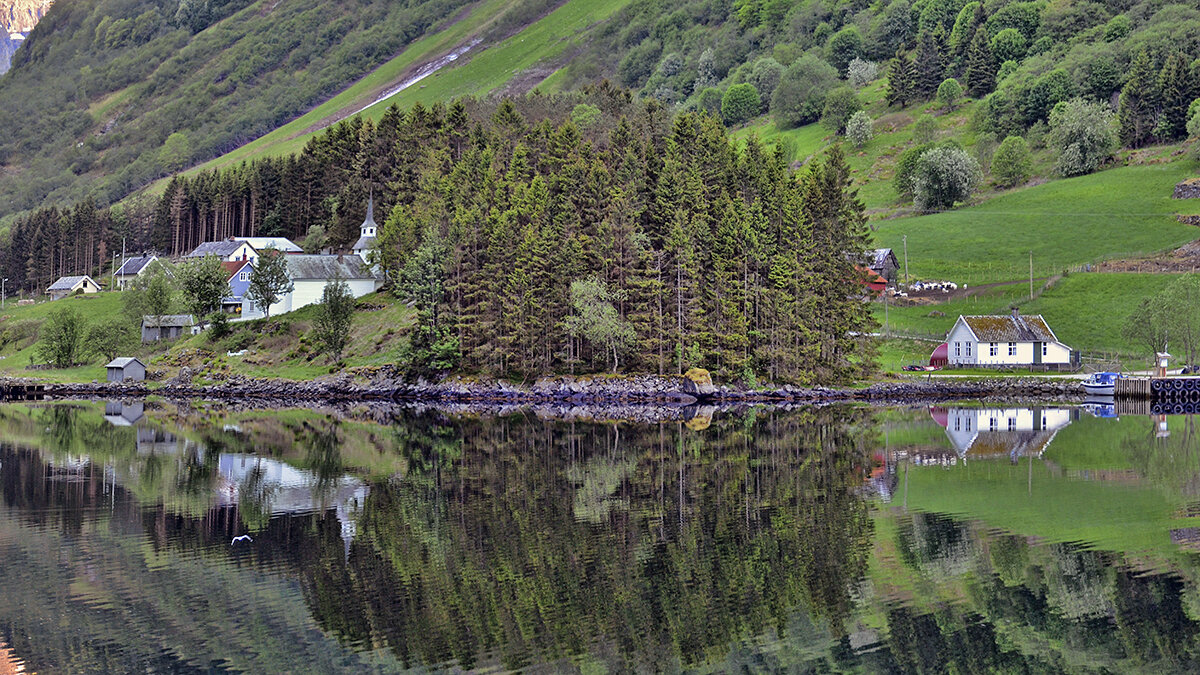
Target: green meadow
1118 213
1086 311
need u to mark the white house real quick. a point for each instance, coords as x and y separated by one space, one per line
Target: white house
133 268
990 432
69 285
311 273
229 250
366 237
278 243
997 341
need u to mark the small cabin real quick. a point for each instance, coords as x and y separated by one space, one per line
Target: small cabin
126 369
70 285
166 327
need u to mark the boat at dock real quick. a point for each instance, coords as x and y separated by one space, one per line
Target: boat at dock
1101 384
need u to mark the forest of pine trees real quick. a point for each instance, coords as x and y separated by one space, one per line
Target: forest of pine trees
716 256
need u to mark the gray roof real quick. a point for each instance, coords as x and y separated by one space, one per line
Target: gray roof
363 244
134 266
278 243
369 221
168 320
325 267
879 257
1007 328
124 361
67 283
217 248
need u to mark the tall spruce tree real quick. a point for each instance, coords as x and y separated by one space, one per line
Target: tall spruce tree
1136 113
901 79
930 63
981 65
1176 92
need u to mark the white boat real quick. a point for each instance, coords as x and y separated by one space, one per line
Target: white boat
1101 384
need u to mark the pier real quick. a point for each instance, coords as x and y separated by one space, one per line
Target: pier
1182 389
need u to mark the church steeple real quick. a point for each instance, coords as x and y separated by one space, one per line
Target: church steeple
368 226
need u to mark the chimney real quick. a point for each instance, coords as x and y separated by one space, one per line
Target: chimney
1016 312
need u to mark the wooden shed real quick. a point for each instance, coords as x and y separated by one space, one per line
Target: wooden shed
126 369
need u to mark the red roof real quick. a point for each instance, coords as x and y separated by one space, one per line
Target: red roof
232 268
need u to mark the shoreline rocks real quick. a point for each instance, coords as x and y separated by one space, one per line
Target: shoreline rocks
585 391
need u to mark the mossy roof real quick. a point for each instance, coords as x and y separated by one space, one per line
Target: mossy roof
1005 328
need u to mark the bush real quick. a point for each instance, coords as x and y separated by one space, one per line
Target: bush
1008 45
800 96
709 101
740 103
924 129
906 168
1082 132
844 47
859 128
943 177
949 91
861 72
1193 125
840 104
765 74
1117 28
1012 162
61 338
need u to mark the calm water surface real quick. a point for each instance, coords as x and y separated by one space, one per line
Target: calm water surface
960 538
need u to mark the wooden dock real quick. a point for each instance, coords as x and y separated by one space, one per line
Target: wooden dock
1180 389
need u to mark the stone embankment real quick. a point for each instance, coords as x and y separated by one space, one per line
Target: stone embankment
566 392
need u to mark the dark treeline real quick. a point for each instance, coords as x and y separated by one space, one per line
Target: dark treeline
711 256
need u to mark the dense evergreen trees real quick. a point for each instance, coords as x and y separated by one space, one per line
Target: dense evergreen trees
716 257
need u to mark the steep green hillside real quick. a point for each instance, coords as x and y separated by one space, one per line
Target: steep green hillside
107 96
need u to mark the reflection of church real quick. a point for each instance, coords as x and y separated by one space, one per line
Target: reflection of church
992 432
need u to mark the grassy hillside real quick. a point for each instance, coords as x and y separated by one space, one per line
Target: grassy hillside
276 348
1086 311
1118 213
483 69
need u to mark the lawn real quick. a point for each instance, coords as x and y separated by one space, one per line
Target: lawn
1112 214
19 330
1085 311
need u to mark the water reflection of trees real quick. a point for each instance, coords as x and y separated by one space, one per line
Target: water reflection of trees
703 537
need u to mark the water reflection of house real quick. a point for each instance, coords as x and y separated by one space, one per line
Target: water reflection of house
123 414
992 432
152 441
292 490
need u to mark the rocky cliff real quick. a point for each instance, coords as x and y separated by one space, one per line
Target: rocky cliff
20 16
17 18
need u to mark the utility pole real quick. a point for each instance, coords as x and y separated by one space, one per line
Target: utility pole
905 238
2 296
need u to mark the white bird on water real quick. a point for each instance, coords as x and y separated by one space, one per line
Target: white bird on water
244 537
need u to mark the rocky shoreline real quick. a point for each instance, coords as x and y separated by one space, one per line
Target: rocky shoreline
578 391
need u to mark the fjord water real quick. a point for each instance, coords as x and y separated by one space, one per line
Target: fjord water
916 539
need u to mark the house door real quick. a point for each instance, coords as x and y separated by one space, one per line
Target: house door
1037 353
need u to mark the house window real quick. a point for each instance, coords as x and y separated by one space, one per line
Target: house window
993 350
968 349
1044 349
992 426
1012 349
244 276
956 349
1012 424
957 423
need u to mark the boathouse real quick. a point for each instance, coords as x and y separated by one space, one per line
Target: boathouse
126 369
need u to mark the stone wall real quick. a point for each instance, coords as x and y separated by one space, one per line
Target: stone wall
1187 189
